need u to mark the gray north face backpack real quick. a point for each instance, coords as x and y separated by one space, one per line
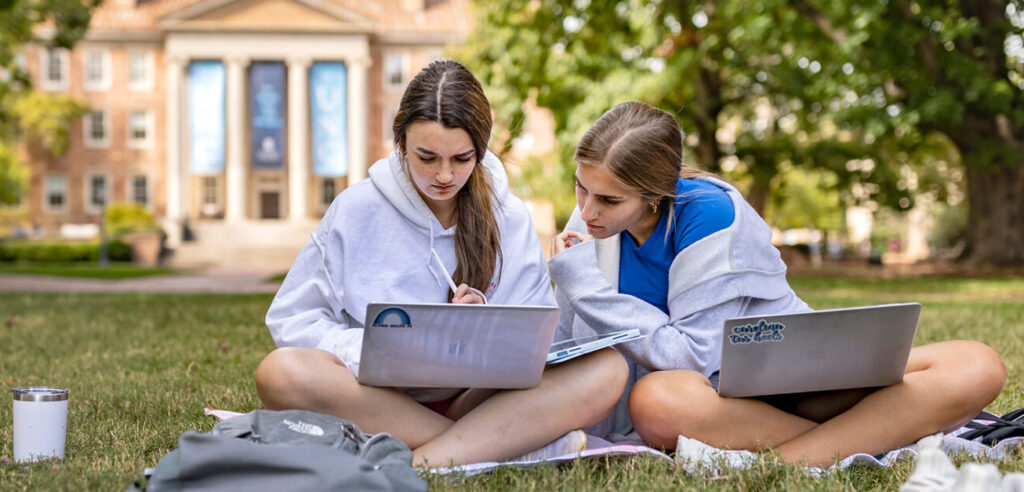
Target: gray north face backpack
285 450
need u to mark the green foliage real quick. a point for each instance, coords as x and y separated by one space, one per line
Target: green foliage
25 113
50 252
47 118
122 218
915 88
805 198
13 175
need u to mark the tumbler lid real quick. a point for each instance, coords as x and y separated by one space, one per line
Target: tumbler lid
40 393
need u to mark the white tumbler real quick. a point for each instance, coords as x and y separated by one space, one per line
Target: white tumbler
40 423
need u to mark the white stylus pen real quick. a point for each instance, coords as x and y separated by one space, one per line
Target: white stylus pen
447 276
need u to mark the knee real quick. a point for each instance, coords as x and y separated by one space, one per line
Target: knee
281 378
973 372
981 371
664 404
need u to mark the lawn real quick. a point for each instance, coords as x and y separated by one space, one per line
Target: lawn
142 367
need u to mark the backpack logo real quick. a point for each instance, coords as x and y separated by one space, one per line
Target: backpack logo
760 332
304 428
392 317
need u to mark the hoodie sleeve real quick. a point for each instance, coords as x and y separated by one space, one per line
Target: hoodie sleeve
679 340
308 310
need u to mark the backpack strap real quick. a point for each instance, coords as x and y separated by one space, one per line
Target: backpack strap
1009 425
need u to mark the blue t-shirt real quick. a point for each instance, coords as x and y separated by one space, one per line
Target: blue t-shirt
701 209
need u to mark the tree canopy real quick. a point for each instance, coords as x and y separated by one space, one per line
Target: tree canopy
26 114
881 96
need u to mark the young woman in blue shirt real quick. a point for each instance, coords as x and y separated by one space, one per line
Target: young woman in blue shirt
673 251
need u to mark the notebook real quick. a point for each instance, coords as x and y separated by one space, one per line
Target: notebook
831 349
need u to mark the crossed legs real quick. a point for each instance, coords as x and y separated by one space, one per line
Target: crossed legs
481 425
945 385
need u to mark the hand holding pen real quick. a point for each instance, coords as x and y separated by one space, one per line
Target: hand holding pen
567 239
463 294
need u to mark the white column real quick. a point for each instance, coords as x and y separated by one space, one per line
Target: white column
176 176
358 118
298 138
235 171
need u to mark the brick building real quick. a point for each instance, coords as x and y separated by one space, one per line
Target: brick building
240 118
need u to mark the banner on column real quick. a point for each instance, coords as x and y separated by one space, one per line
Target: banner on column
206 115
329 116
266 105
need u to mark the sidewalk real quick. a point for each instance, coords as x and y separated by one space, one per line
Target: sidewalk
211 281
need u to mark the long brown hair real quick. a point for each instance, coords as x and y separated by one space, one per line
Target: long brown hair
643 148
447 93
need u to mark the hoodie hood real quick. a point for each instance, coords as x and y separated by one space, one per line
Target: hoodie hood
390 178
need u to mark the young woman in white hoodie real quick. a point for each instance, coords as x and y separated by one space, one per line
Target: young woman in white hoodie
439 190
674 252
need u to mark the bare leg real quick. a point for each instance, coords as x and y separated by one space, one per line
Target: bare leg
316 380
945 384
665 404
491 426
571 395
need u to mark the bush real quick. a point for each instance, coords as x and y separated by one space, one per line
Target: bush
33 252
122 218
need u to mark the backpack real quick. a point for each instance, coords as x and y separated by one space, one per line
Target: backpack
285 450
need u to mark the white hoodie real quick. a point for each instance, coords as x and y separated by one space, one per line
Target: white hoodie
373 245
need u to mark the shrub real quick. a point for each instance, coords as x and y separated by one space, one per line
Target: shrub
33 252
122 218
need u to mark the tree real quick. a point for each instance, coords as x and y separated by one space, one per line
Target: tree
26 114
726 69
952 68
879 93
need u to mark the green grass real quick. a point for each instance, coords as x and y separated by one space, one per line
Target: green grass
142 367
87 270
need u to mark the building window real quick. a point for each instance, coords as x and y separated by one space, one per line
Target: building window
55 69
96 193
55 193
139 123
327 192
140 71
96 134
209 190
396 69
140 190
97 70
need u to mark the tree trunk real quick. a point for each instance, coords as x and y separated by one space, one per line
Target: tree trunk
995 232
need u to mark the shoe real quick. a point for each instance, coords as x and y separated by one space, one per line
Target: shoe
697 458
978 477
573 442
934 471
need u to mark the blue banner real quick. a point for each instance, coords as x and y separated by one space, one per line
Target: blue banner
266 105
206 114
328 89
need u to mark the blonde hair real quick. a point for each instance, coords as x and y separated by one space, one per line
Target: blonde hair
642 146
447 92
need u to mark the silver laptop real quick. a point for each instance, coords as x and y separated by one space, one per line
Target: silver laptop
456 345
832 349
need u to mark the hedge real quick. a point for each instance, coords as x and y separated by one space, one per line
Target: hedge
38 252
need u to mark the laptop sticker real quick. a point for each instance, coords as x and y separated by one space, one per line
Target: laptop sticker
392 317
760 332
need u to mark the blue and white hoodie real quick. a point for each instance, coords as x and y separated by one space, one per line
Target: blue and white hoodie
733 272
373 245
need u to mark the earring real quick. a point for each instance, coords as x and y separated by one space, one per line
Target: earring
654 208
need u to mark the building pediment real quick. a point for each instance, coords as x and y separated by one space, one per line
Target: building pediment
265 15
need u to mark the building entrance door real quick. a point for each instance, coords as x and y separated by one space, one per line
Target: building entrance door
270 205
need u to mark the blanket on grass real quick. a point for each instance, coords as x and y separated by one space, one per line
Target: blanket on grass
597 446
